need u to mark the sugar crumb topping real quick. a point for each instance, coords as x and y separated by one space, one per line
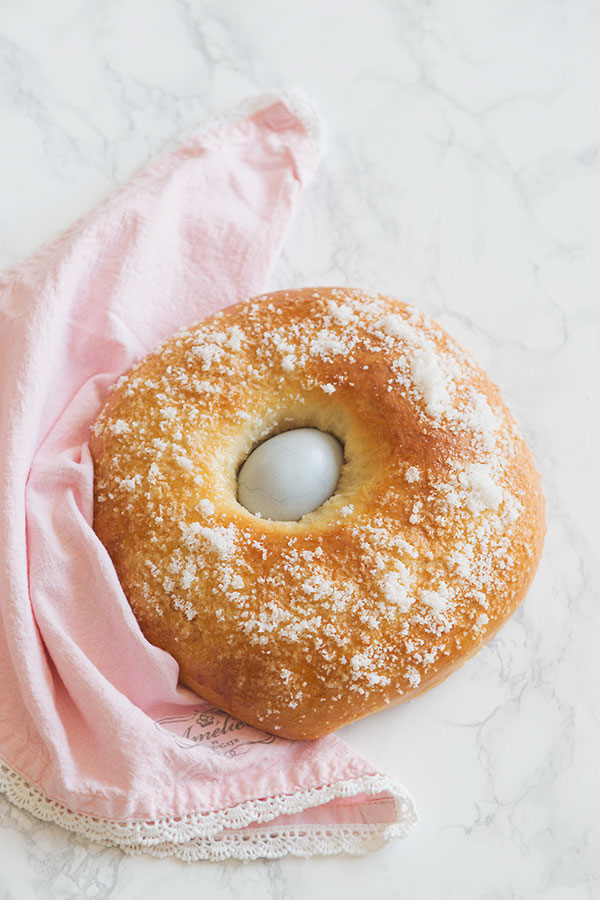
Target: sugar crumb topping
304 599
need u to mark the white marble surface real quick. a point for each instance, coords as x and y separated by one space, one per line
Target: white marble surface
463 172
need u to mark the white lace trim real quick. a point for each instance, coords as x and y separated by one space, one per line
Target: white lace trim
225 833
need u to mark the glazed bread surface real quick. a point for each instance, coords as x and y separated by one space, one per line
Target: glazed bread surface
427 546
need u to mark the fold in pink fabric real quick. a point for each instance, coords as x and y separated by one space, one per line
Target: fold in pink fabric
95 731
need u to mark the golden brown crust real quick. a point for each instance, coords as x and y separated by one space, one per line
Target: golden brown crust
428 545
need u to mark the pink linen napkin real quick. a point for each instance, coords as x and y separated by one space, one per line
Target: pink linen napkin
95 732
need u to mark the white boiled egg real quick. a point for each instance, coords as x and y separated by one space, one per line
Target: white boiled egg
290 474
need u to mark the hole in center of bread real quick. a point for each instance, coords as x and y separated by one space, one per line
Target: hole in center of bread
290 474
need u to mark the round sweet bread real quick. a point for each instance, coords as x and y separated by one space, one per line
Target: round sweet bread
428 543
